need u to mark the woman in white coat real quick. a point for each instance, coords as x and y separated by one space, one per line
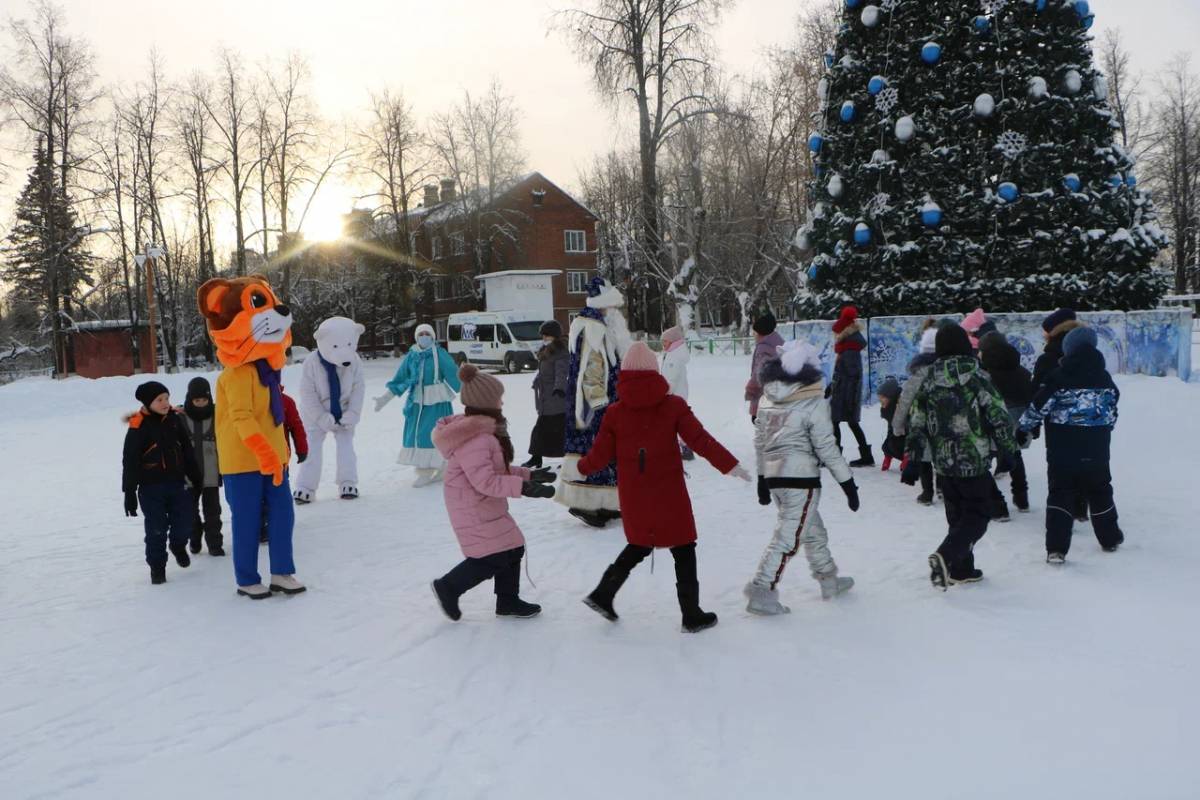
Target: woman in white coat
675 358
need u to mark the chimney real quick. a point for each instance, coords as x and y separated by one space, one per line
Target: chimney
447 189
431 195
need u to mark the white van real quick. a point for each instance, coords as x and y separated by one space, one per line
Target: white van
508 339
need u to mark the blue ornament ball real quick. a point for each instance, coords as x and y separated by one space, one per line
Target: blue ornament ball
816 142
931 53
849 111
1089 21
862 234
813 272
829 60
931 217
1115 181
1082 8
853 3
1131 181
1009 192
877 84
982 24
1072 182
1041 5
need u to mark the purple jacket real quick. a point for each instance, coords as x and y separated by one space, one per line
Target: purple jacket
764 351
477 485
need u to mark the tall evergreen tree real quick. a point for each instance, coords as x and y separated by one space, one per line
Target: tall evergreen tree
46 260
965 156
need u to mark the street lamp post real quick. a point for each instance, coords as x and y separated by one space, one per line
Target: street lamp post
149 259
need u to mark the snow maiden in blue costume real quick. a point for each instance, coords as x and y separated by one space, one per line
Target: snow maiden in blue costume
430 377
598 339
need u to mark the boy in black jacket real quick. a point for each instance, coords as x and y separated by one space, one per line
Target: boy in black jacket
1078 403
157 460
206 496
1003 365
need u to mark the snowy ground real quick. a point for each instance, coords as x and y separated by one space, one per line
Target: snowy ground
1078 682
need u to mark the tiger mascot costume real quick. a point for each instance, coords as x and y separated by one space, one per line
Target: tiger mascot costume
251 330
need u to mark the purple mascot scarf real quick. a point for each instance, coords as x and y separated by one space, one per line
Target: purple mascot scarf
270 378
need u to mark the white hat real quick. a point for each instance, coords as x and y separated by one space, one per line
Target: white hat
425 328
796 354
929 341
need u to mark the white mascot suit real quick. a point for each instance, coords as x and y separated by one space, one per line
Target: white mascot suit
331 399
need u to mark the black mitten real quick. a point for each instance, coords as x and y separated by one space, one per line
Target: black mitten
531 489
542 475
851 490
764 494
911 473
131 504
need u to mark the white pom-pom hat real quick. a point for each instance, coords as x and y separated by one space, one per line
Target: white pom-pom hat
796 354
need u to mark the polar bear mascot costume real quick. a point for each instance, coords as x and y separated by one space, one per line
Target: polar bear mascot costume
331 400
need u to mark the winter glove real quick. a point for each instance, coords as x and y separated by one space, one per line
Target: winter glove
911 473
543 475
851 491
268 461
739 472
131 503
531 489
300 457
1037 432
829 391
1022 438
383 400
559 393
764 494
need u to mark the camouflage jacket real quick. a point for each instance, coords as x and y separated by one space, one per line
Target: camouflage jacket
960 417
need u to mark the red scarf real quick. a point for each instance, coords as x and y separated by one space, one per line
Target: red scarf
849 343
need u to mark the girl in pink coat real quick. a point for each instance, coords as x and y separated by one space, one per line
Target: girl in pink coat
479 479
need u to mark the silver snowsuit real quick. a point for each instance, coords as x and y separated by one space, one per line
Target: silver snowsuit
793 438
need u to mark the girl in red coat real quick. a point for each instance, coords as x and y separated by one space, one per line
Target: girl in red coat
640 433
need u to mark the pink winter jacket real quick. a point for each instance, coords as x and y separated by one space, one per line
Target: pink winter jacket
477 485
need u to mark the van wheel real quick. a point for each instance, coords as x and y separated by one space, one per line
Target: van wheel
510 366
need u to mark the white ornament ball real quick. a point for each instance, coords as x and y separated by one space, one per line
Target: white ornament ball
871 16
1100 88
1037 87
906 129
1072 82
985 105
823 89
880 157
835 185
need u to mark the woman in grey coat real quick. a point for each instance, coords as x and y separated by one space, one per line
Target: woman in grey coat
918 370
550 396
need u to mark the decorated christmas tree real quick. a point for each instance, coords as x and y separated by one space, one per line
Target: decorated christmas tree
965 156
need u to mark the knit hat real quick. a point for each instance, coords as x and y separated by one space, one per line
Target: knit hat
639 358
765 325
480 390
983 330
551 328
1058 318
149 390
199 387
424 328
845 319
889 389
974 320
795 355
1079 339
929 340
952 340
670 335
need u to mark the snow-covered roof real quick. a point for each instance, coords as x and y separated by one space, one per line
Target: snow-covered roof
508 272
106 324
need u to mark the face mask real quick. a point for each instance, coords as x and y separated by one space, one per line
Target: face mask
425 341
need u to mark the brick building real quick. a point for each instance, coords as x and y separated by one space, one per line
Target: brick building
528 224
104 348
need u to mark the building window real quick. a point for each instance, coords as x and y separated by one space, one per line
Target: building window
436 244
571 316
440 328
458 244
575 241
577 282
389 338
443 287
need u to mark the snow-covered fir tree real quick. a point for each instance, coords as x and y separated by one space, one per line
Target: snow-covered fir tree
965 156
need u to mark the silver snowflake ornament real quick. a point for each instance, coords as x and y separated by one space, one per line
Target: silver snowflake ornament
889 5
879 204
992 6
887 100
1012 144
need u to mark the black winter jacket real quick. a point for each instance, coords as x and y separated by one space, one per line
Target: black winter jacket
1003 364
157 449
1048 361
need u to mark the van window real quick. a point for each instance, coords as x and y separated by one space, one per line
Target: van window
502 333
526 331
485 332
456 333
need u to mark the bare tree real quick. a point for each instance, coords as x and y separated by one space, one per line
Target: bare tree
1124 93
1174 165
654 52
394 153
231 111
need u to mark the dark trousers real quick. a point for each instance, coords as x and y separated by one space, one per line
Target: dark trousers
927 479
686 583
207 500
1071 489
167 508
968 510
504 568
855 429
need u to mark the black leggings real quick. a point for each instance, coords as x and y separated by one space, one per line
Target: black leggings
856 429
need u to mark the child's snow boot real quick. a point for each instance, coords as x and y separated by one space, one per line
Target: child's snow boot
832 585
255 591
158 575
1021 499
514 606
887 464
601 598
939 576
1056 559
287 584
865 459
195 541
763 601
695 619
181 555
447 600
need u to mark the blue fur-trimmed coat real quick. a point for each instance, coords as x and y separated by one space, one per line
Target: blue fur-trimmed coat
578 440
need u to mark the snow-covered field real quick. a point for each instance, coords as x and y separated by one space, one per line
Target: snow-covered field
1079 682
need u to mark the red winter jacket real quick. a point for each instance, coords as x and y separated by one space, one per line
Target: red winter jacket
293 428
641 432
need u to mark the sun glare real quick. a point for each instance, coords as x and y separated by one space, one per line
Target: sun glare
325 219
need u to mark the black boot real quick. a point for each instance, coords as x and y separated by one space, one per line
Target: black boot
695 619
181 555
865 459
195 541
447 600
514 606
595 519
534 462
158 575
214 540
601 599
1021 499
